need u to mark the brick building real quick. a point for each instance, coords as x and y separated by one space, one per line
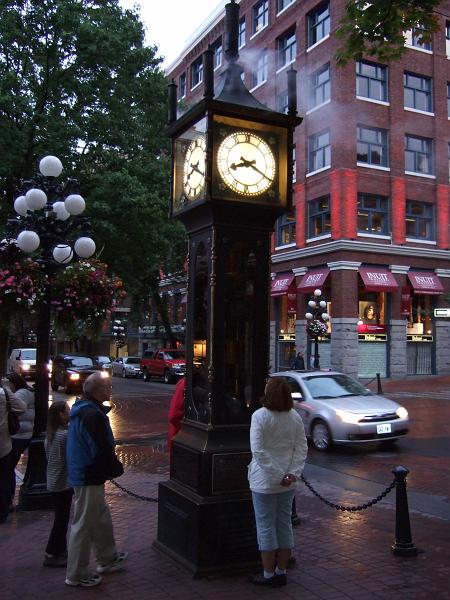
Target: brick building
370 224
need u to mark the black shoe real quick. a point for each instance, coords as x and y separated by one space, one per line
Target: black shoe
261 580
291 561
280 580
296 521
55 560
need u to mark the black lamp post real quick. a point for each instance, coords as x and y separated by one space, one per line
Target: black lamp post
119 334
317 318
43 226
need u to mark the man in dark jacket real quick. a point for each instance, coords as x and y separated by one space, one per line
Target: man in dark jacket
91 460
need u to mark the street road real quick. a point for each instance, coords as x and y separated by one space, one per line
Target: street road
139 421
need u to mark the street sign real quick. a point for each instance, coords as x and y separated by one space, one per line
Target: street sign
442 312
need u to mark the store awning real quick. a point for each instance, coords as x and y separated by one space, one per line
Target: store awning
312 280
377 279
424 282
281 284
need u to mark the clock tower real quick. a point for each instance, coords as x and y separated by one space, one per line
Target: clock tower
231 179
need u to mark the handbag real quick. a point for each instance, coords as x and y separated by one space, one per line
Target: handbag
13 419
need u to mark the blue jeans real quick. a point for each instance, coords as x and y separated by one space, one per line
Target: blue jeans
273 520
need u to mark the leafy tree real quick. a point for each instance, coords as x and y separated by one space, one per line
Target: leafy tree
377 28
77 81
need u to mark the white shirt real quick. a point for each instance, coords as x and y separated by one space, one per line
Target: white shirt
278 445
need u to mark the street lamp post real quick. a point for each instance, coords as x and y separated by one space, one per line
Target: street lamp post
317 318
47 224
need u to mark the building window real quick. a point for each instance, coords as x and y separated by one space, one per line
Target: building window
318 24
217 49
241 38
259 75
320 86
371 81
419 220
372 214
419 155
372 146
447 38
182 86
286 230
417 92
260 15
448 100
413 39
282 102
319 217
287 48
196 72
294 164
282 4
319 152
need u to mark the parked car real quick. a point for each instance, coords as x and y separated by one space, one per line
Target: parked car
23 362
127 366
166 362
105 362
338 409
70 371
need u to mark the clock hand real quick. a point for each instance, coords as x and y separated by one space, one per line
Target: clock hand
260 172
195 168
243 163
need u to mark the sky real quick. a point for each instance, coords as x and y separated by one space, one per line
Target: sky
170 22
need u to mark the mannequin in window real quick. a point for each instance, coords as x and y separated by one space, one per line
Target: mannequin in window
370 315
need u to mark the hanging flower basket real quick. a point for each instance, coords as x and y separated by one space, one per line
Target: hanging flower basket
316 328
22 281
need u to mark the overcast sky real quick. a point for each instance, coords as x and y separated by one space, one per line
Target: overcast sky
170 22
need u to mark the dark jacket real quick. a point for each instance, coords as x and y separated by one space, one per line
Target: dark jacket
91 458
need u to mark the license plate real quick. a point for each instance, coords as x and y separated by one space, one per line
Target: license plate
385 428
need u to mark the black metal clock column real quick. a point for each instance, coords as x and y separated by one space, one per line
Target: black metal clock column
231 179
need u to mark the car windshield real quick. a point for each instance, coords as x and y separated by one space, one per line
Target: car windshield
79 361
175 355
28 355
103 359
334 386
133 360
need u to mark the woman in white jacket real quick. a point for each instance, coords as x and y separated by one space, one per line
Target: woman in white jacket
279 449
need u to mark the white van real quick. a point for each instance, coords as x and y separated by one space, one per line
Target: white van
23 362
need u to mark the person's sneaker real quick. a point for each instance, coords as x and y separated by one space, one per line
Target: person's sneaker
261 580
115 565
89 581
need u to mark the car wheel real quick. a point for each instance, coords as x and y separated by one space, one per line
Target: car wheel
321 436
167 377
146 375
388 444
124 374
54 385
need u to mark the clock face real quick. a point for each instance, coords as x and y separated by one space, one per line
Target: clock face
194 168
246 163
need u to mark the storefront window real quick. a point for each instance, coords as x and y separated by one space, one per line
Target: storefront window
419 320
371 313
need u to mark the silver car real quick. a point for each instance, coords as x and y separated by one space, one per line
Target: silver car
338 409
127 366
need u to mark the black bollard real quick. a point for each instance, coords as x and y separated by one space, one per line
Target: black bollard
403 544
379 388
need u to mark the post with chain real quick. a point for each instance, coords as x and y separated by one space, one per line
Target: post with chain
403 544
379 388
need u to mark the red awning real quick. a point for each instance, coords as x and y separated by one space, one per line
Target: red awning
281 284
377 279
312 280
425 282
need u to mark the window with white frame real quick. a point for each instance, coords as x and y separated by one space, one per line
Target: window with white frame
259 75
319 217
419 220
217 56
419 155
294 164
286 230
373 215
372 146
318 23
196 72
287 48
371 81
260 15
282 101
417 92
182 86
282 4
413 38
319 151
241 33
447 38
320 86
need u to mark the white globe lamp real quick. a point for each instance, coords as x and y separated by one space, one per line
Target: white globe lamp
325 316
21 206
28 241
75 204
60 210
84 247
317 293
50 166
36 199
312 304
62 253
308 316
322 304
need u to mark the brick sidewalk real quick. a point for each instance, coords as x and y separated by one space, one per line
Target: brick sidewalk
339 555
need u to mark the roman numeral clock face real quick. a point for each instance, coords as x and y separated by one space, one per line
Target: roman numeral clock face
246 163
194 169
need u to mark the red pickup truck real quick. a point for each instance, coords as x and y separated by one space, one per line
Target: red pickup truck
165 362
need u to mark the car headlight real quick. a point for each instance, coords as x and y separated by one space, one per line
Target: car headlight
401 412
25 367
348 417
74 376
177 367
104 374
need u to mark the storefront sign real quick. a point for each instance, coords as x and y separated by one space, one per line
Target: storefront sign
366 328
405 301
425 282
292 301
442 312
312 280
419 338
377 279
372 337
281 284
286 337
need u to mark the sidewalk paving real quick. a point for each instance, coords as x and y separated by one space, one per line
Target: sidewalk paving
340 555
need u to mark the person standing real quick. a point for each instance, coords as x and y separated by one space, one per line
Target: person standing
299 362
279 449
19 407
20 441
55 449
91 460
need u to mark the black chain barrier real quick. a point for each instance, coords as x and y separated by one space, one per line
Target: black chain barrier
349 508
138 496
